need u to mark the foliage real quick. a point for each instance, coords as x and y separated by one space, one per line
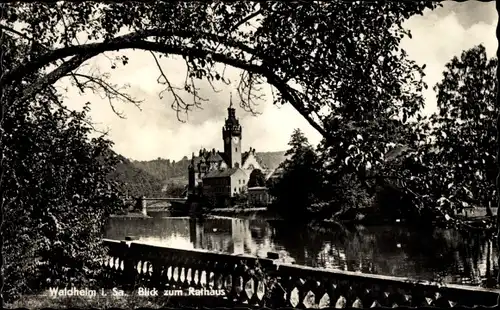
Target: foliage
175 190
239 199
165 170
55 190
330 51
257 179
454 165
128 301
134 181
337 63
300 184
466 127
45 301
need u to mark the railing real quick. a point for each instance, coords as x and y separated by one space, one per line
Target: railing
281 285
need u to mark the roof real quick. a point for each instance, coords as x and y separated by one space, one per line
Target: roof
209 156
215 157
271 160
245 156
221 173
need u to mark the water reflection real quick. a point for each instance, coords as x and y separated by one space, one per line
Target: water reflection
388 250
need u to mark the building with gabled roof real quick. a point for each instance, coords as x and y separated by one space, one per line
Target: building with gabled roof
224 173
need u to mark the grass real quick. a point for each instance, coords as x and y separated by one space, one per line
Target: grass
44 300
130 301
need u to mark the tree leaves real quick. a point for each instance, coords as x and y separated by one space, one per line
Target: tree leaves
455 167
300 183
56 192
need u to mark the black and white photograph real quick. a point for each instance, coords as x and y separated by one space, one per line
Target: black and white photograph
299 154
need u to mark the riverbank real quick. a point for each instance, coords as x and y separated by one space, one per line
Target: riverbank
248 213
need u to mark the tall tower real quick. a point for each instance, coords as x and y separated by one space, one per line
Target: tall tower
231 133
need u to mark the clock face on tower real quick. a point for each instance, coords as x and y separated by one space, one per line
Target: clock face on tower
235 139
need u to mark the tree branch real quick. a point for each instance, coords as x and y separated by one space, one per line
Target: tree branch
111 91
244 20
178 101
131 41
115 44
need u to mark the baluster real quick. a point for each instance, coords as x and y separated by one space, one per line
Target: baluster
260 291
309 292
239 280
357 303
343 291
175 276
297 293
182 276
144 272
168 275
294 298
229 287
322 297
210 279
309 300
212 271
196 278
324 301
203 279
186 283
331 290
238 288
218 275
138 271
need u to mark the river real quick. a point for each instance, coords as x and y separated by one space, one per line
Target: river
444 255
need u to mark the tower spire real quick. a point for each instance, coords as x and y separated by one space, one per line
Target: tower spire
231 112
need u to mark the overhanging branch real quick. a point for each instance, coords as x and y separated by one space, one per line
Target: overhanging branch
115 44
85 52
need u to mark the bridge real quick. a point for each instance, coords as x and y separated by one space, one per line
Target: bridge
248 280
143 204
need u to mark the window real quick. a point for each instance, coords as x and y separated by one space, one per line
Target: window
236 149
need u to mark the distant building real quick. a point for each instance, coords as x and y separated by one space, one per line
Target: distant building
225 183
226 173
258 196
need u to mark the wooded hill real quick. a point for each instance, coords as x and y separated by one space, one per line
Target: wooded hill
152 177
170 171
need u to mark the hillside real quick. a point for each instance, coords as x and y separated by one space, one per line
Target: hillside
135 181
176 172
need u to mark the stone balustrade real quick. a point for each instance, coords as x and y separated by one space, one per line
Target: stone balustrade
256 281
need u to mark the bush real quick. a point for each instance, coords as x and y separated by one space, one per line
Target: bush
57 195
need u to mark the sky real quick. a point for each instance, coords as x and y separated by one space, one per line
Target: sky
154 131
